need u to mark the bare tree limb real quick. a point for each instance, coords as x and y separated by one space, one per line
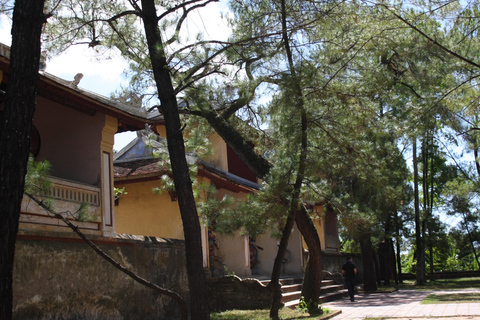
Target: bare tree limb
182 19
182 5
433 41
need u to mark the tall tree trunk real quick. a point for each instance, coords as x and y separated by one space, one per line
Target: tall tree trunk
312 280
15 131
387 257
477 166
476 146
369 277
398 247
430 213
399 262
420 275
376 265
180 170
394 261
470 238
428 199
295 203
423 254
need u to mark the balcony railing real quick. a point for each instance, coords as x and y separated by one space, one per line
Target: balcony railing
73 192
67 197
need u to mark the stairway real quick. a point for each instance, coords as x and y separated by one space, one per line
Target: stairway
292 290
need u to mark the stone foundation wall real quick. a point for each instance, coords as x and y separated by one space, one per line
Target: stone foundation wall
231 292
63 278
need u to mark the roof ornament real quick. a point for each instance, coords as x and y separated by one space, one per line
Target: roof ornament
131 99
76 80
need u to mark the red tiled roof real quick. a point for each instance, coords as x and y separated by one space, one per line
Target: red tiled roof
136 169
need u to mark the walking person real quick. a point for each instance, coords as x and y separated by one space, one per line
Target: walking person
349 270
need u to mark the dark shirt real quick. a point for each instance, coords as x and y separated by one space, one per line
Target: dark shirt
349 268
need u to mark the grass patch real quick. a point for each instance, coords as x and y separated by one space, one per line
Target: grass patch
452 298
284 313
443 284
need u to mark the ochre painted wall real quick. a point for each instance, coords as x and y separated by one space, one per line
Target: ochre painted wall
232 249
219 157
140 212
269 252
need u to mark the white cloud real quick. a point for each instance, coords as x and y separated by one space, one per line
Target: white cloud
100 75
5 30
122 139
209 21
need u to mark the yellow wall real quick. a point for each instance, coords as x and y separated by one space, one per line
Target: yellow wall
219 157
142 213
162 131
106 154
232 249
270 247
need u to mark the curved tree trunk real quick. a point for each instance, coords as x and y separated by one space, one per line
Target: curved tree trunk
274 284
312 280
15 131
180 171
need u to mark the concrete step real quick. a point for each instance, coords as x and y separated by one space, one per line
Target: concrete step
285 281
289 296
331 296
331 288
292 287
292 290
323 298
290 281
328 283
